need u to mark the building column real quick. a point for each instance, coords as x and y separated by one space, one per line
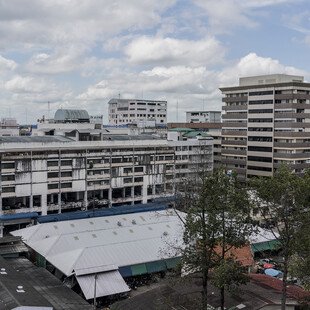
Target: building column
1 229
144 189
44 204
31 202
110 197
59 201
132 195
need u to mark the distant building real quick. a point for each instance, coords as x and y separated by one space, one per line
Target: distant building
266 122
74 124
9 127
145 113
203 116
212 129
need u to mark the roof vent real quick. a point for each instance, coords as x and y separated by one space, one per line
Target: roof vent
134 222
20 289
119 223
2 271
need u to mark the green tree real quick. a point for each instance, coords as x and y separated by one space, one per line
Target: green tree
299 264
218 218
229 275
282 200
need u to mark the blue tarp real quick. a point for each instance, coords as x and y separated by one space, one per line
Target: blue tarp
272 272
17 216
103 212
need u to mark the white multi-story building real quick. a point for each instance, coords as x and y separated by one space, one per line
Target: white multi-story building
9 127
74 124
266 122
50 174
203 116
145 113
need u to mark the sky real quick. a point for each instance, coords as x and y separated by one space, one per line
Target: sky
81 53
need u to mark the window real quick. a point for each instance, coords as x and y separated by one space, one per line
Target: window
259 168
66 185
261 93
51 175
138 169
10 177
260 102
52 186
8 189
260 159
127 170
260 139
8 165
139 179
259 148
260 120
260 111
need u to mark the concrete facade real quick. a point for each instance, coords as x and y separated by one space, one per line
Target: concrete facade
137 111
266 121
53 174
203 116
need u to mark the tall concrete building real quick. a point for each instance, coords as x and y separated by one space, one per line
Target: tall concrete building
135 111
266 121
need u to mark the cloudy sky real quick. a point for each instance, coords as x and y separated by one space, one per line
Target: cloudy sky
81 53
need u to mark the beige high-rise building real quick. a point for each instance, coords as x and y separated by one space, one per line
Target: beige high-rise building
266 121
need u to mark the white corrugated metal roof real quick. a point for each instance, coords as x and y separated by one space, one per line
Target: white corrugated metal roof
120 240
262 235
107 283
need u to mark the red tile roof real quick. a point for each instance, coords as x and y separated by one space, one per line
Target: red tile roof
293 291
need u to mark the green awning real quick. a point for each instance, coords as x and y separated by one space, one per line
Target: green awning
156 266
172 262
138 269
265 246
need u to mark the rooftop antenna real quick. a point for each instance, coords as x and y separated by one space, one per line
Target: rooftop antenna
203 104
177 111
48 109
119 95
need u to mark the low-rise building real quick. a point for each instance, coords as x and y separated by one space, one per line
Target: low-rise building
100 253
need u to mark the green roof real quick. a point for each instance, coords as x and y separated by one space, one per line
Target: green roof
195 133
182 129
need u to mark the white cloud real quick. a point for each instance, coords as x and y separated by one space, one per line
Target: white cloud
20 84
39 23
7 64
223 15
170 51
253 64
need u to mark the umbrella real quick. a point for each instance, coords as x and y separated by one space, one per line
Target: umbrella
268 266
272 272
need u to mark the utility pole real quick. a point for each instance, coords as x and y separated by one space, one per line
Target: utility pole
95 286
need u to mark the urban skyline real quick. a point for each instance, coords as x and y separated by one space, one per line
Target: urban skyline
179 51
